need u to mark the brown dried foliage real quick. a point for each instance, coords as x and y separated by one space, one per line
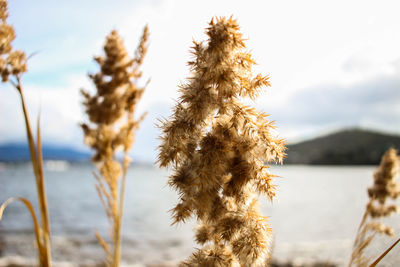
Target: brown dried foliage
218 147
385 187
112 124
12 62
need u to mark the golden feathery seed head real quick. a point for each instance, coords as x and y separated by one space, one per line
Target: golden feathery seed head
3 10
385 187
141 50
112 125
116 97
385 183
17 60
12 62
7 35
218 147
210 257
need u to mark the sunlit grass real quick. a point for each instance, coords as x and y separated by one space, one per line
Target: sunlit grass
111 128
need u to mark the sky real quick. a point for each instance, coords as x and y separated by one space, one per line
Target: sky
332 64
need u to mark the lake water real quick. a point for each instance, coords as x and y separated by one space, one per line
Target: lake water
314 218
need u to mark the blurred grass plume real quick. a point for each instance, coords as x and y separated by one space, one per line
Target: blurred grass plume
112 126
385 187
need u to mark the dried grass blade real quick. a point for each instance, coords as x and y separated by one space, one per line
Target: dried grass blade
100 189
42 196
104 195
38 232
43 199
31 143
44 254
104 244
384 254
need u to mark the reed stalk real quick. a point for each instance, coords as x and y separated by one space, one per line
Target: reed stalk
13 63
384 253
111 128
37 164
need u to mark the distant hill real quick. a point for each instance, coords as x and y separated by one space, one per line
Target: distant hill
347 147
13 152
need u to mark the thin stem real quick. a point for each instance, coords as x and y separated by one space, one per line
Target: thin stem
384 254
117 243
359 237
43 197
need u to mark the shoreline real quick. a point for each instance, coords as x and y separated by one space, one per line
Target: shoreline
18 261
83 250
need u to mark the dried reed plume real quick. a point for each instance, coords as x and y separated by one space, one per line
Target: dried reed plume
111 113
217 147
13 63
385 187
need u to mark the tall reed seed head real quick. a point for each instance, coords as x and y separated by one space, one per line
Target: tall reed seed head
385 183
217 147
385 187
12 62
112 108
112 124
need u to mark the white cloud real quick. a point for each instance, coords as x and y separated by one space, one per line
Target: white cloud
371 104
59 108
301 44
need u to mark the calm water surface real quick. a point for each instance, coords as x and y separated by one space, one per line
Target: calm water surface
315 216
